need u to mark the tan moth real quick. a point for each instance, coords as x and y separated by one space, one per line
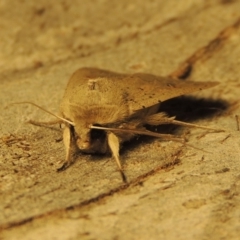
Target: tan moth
102 109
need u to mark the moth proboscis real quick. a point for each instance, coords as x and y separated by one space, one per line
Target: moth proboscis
102 109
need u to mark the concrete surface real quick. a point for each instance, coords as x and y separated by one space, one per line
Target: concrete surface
174 191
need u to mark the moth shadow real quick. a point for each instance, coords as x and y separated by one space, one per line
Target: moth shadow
186 109
189 109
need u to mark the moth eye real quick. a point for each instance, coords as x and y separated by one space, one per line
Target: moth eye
96 133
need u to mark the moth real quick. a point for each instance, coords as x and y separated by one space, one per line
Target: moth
101 109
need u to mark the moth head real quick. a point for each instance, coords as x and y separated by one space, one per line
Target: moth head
90 140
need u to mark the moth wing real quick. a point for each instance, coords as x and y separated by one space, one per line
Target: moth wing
142 90
145 90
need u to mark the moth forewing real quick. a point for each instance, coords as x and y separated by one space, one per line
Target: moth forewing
102 109
146 90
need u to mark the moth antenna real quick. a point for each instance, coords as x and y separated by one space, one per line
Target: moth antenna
45 110
141 132
195 125
162 118
148 133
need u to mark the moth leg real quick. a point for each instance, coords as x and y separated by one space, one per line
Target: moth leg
114 144
70 146
42 124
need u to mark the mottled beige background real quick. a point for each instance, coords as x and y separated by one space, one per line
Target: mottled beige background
174 191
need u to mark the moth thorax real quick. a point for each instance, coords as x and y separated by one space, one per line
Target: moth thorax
92 84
